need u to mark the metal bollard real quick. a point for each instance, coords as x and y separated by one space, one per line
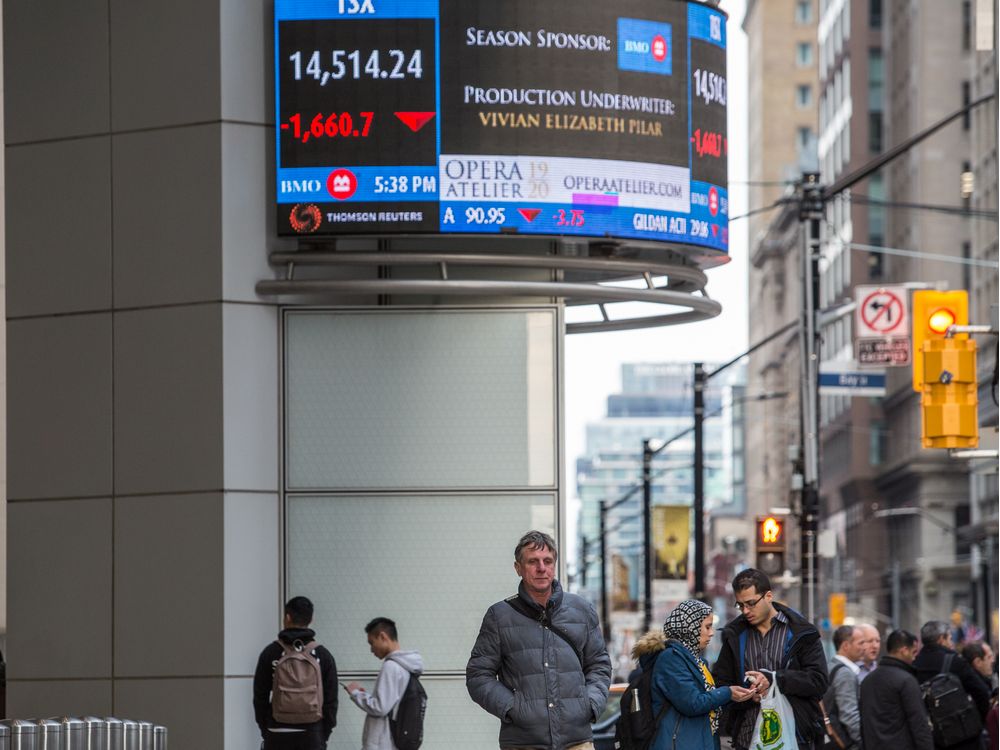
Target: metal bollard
116 733
130 735
73 733
96 732
23 734
159 738
145 735
4 737
51 735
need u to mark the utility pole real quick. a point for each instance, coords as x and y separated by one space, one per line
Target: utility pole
605 620
647 557
811 207
699 480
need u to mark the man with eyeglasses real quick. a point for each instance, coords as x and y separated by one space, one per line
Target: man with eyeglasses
770 640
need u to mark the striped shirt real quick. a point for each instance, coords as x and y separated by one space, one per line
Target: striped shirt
763 653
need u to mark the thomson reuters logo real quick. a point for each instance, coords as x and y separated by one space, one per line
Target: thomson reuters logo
305 219
341 184
659 48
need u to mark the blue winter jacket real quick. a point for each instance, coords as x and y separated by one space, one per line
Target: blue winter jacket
678 678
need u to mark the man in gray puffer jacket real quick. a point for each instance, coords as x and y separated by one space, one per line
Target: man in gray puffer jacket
540 664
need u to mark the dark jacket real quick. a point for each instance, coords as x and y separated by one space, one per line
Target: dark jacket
929 662
801 676
532 680
678 679
264 676
892 708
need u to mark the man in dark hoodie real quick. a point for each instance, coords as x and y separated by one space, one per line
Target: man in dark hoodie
768 637
892 709
295 635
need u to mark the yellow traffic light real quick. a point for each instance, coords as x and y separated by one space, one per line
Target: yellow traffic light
949 399
933 313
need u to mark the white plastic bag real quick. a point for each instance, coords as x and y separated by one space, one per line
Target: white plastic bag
775 727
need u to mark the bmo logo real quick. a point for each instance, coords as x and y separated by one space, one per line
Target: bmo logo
659 48
342 184
645 46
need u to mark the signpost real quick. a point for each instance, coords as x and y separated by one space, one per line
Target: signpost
845 379
882 326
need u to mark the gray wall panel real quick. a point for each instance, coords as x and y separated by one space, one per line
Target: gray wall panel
168 400
58 244
55 69
59 407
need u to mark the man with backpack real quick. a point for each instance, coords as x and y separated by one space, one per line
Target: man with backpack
943 672
295 685
770 639
395 707
892 709
840 704
539 663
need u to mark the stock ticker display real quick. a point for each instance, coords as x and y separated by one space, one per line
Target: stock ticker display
562 117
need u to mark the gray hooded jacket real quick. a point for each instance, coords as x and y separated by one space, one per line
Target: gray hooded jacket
381 702
531 679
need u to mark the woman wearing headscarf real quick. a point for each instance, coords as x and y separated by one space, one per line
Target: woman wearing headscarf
682 681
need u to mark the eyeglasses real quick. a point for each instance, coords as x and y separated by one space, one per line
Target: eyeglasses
744 606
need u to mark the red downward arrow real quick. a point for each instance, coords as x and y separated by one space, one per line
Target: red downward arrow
529 214
715 230
415 120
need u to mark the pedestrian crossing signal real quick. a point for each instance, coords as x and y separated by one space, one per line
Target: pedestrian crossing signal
770 533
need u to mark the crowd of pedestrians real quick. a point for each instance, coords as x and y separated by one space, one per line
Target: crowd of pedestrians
540 666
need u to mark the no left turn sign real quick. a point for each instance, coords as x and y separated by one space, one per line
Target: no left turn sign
882 311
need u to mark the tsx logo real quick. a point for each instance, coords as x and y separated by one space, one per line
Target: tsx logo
341 184
645 46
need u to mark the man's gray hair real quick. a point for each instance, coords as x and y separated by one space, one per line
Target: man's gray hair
932 631
535 540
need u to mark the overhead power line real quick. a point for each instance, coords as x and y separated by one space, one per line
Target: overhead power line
957 210
754 211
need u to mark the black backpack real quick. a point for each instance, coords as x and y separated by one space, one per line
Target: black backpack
406 722
636 727
954 717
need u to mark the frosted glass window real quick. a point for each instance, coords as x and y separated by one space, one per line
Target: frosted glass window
434 564
453 721
420 399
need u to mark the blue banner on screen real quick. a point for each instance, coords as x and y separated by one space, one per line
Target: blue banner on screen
465 116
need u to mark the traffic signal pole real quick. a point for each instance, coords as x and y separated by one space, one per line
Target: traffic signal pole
605 618
810 214
647 513
700 381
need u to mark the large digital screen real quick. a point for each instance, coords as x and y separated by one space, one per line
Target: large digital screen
554 117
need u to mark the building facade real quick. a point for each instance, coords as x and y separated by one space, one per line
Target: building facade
783 138
852 132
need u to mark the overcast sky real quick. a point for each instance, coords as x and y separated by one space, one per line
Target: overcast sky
593 361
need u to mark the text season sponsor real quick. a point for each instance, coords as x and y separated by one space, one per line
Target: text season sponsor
541 38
